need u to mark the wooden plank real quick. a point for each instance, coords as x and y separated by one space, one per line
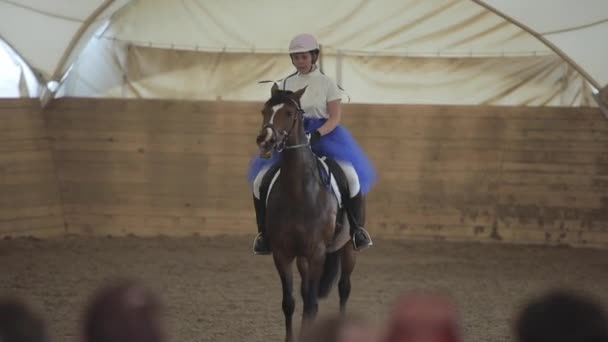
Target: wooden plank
42 195
445 172
554 199
131 105
361 129
25 121
28 177
156 118
146 226
506 112
14 157
522 178
405 142
200 187
26 144
554 189
226 149
8 214
29 196
31 224
549 238
452 124
26 167
553 227
26 230
155 202
556 157
463 233
224 146
428 231
242 209
19 104
21 133
553 168
123 172
432 128
230 188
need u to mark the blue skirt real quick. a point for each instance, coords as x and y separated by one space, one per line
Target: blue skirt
338 145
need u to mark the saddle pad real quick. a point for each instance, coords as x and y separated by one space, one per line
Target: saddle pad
334 184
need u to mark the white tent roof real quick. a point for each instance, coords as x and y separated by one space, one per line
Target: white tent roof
48 34
577 30
414 27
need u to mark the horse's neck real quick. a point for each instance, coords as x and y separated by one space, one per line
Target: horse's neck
298 160
299 166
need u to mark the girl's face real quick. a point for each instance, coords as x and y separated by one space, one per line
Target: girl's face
302 61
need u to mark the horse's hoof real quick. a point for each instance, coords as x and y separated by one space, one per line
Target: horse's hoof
364 243
363 247
260 246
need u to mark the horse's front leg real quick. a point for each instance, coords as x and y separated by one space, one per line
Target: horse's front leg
348 259
302 263
310 287
283 265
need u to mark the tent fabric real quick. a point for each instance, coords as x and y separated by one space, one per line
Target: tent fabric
402 34
16 80
41 31
416 51
413 27
579 29
182 74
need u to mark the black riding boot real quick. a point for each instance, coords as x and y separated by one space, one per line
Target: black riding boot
360 236
260 245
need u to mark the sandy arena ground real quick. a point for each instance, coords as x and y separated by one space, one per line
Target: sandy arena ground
215 290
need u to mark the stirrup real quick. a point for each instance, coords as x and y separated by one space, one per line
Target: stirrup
369 238
254 243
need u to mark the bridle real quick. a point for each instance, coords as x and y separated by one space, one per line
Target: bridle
282 144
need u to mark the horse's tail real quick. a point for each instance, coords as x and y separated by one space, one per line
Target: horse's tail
331 268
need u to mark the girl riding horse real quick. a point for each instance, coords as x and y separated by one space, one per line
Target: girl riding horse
322 113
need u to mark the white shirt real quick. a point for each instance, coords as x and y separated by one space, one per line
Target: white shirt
321 89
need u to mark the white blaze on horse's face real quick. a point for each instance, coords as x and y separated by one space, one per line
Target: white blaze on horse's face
275 109
268 135
268 130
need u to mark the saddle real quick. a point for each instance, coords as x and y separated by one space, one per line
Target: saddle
333 178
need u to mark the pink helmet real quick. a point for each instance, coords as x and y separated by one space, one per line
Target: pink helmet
303 43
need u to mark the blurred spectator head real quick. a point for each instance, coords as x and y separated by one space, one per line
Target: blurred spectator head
18 323
562 316
123 311
339 329
424 317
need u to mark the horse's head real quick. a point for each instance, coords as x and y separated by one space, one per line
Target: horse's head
282 117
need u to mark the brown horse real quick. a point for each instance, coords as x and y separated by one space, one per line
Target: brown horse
301 212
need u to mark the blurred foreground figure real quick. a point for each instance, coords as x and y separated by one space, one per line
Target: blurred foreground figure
123 312
338 329
421 317
20 324
561 316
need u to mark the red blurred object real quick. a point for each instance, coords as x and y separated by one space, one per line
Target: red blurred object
423 317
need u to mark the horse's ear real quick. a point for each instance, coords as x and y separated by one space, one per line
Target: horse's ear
298 94
274 90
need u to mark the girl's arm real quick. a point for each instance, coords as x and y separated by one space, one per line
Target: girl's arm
334 109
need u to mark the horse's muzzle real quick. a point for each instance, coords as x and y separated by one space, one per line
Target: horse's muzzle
265 141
